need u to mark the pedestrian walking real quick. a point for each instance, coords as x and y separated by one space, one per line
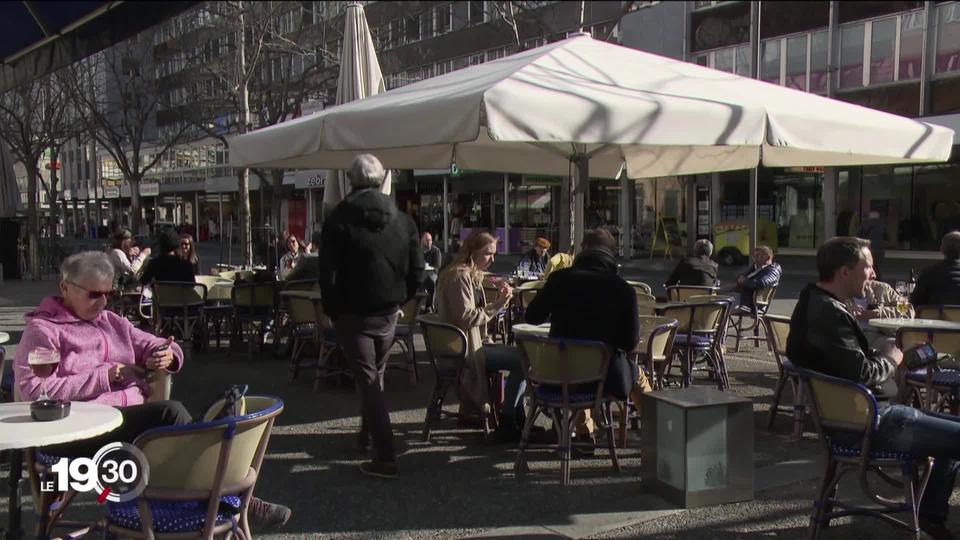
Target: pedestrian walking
370 264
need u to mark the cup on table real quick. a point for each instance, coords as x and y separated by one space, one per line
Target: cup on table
43 361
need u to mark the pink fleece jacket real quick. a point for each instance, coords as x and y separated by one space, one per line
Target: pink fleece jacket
88 349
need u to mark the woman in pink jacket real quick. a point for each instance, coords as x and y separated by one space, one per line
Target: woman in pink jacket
103 358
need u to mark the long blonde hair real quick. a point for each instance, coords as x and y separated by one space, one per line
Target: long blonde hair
464 257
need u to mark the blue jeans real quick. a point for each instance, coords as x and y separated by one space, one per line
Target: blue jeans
505 358
924 433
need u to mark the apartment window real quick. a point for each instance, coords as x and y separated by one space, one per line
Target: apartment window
948 38
818 62
426 72
413 30
396 32
911 45
319 12
495 54
287 23
476 13
701 60
476 59
770 61
796 64
742 64
444 67
723 60
883 49
851 56
534 43
444 18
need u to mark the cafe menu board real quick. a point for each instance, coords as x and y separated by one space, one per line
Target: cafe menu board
672 231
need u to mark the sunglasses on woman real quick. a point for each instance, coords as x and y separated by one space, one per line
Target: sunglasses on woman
94 295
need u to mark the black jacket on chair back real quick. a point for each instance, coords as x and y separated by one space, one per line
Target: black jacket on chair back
370 257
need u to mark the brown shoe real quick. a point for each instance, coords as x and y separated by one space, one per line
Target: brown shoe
265 516
379 469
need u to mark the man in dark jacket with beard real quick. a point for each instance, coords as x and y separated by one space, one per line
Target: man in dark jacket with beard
590 301
370 265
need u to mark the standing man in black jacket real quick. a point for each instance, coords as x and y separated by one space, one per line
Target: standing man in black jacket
940 284
825 337
370 265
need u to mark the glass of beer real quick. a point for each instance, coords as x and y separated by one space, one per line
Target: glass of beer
903 306
43 361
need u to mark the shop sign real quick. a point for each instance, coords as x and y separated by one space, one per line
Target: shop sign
151 189
111 193
312 178
805 170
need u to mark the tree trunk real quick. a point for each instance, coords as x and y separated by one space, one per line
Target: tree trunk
246 243
135 213
33 221
54 185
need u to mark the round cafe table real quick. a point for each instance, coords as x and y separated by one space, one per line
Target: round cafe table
536 330
4 337
892 325
20 431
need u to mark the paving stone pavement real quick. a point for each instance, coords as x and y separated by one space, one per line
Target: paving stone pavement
460 485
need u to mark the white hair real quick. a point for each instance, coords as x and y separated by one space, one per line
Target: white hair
703 248
366 171
87 264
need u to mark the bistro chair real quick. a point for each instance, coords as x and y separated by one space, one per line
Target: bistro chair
330 360
404 332
564 378
700 334
651 354
777 328
646 304
522 296
254 309
302 328
447 349
761 303
940 313
178 306
202 477
680 293
934 387
218 309
497 327
641 287
845 416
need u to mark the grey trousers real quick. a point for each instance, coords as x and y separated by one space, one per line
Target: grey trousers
366 342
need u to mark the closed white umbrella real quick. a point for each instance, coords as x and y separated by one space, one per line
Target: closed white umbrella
579 99
360 77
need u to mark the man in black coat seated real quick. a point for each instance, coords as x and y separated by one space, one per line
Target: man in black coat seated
940 284
697 270
590 301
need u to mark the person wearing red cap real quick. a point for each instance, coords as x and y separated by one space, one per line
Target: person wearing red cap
534 262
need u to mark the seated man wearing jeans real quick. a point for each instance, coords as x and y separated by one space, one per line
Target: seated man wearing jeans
825 337
591 301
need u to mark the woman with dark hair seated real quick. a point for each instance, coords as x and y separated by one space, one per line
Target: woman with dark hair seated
169 265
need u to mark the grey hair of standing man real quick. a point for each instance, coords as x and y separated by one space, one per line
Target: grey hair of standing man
366 171
86 264
703 248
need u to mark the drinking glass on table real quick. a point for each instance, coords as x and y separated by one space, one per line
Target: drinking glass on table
43 361
903 306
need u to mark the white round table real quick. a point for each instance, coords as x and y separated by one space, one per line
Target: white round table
220 291
922 324
536 330
18 431
4 337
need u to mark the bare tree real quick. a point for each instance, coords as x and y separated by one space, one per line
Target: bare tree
35 118
119 98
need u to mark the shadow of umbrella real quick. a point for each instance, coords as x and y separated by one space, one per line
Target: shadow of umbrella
360 77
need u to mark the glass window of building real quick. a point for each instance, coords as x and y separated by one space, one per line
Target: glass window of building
796 76
743 61
723 60
936 208
948 38
883 43
911 45
657 197
851 56
818 62
477 14
790 208
770 61
444 20
701 60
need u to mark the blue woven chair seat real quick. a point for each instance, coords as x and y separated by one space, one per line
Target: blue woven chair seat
698 341
946 377
554 394
303 331
850 452
171 516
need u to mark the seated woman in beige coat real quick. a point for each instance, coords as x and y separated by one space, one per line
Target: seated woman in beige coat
460 302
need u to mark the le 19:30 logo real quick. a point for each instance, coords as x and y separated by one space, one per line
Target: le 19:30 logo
117 473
